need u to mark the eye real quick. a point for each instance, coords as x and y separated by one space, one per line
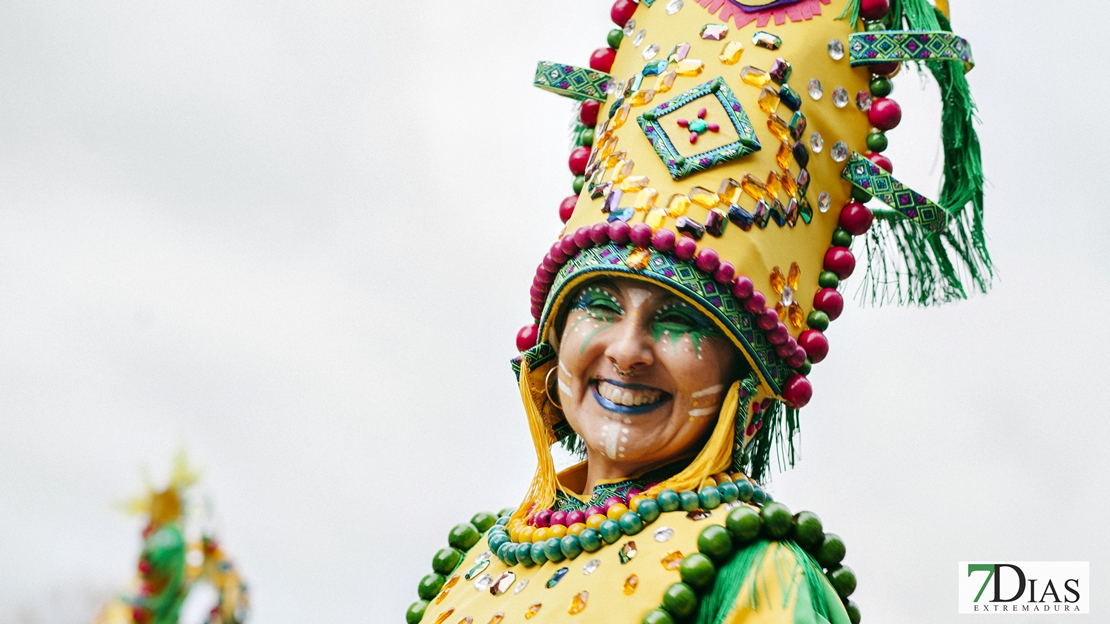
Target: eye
681 318
598 304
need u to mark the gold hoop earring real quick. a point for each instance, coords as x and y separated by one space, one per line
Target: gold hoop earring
547 388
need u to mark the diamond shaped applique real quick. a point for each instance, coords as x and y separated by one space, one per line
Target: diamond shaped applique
654 123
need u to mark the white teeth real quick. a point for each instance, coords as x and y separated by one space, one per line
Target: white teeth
628 396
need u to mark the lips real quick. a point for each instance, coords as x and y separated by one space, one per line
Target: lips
627 398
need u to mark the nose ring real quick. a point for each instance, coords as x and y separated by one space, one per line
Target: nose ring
624 374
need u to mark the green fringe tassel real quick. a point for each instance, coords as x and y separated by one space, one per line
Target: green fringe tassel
780 428
851 13
745 569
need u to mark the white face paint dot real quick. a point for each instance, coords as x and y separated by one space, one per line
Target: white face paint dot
624 429
627 421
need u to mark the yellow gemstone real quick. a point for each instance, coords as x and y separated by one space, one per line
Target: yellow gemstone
497 618
621 115
578 603
678 205
779 128
665 81
793 275
730 55
640 98
753 187
441 596
774 184
778 280
467 620
690 67
634 183
454 580
781 309
704 197
796 316
768 100
645 200
443 616
754 76
607 152
654 219
594 521
673 560
637 261
630 584
783 155
729 191
623 170
615 158
789 185
533 610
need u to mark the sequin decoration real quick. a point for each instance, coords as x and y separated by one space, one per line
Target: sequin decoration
767 40
674 6
836 49
840 97
839 151
477 569
483 582
824 202
591 566
663 534
503 583
651 51
533 610
816 142
815 90
630 585
578 603
520 586
863 101
714 32
555 578
673 560
627 552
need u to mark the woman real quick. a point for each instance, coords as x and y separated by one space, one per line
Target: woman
680 312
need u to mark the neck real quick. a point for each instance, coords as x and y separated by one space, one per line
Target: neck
600 468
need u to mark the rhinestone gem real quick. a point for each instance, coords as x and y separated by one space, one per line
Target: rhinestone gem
590 566
781 70
665 81
654 68
729 191
638 260
753 186
774 184
689 67
497 618
503 583
483 582
767 40
679 52
742 218
673 560
555 578
714 32
578 603
655 218
784 155
716 221
627 552
787 295
824 202
779 127
520 586
663 534
703 197
768 100
678 205
443 616
754 76
840 97
639 38
477 569
790 98
731 53
651 51
798 125
815 90
686 225
484 556
674 6
630 27
645 200
816 142
699 514
836 49
863 101
533 610
630 584
839 151
803 181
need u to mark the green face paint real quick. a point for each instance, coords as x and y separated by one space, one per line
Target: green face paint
600 306
680 318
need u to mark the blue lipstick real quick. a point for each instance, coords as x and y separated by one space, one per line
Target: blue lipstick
627 410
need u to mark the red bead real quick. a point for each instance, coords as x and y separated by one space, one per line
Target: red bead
815 344
557 254
725 273
872 10
778 335
618 232
537 311
884 69
575 517
612 500
566 209
622 11
685 247
599 233
582 237
708 260
840 260
829 301
550 264
767 320
785 350
743 288
882 161
663 240
594 510
588 115
537 294
579 158
559 518
797 392
797 358
756 303
568 246
885 114
544 276
543 518
856 219
640 235
602 59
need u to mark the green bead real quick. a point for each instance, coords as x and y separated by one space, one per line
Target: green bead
680 600
808 532
690 500
586 137
831 552
881 87
697 571
709 497
430 585
553 548
841 238
463 536
860 195
416 612
777 520
657 616
759 496
505 513
610 531
818 320
507 554
495 541
446 560
729 491
716 542
579 182
571 546
668 500
539 553
877 142
524 555
828 279
746 489
614 38
483 521
649 510
843 581
853 612
744 523
631 523
590 540
649 116
805 368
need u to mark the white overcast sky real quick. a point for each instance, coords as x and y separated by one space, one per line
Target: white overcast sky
296 239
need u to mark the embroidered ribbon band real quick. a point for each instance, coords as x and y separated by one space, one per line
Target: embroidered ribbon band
908 203
574 82
885 46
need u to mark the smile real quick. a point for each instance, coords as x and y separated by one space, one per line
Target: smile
627 398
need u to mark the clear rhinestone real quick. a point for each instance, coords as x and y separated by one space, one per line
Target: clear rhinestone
863 101
733 505
520 586
787 295
674 6
651 51
840 97
839 151
630 27
503 583
663 534
714 32
483 557
639 38
815 90
836 49
591 565
483 582
816 142
824 202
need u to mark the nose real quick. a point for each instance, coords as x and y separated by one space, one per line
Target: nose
632 349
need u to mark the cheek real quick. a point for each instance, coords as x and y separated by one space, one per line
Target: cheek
695 368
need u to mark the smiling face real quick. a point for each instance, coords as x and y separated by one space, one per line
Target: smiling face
642 374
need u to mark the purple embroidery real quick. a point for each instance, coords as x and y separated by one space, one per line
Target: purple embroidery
749 7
